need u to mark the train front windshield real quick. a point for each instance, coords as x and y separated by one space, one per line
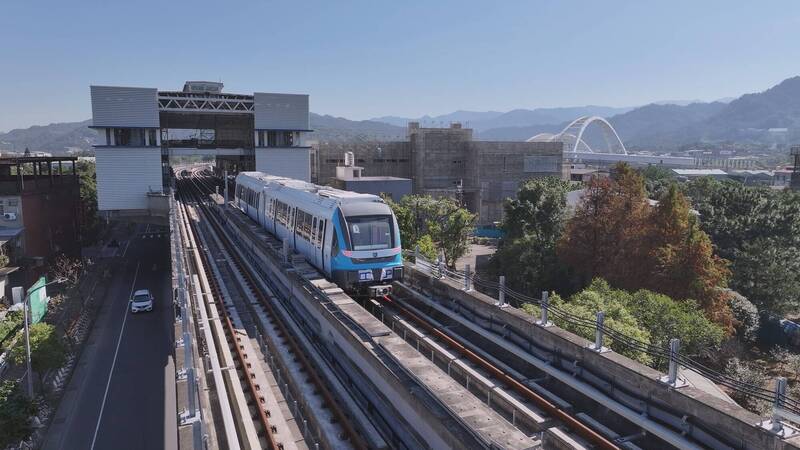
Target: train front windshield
370 232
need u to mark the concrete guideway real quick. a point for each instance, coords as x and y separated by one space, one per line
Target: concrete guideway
459 419
133 405
685 417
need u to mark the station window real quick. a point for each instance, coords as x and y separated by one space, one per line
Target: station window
272 139
288 139
152 138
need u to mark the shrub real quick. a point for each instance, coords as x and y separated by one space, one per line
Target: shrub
746 316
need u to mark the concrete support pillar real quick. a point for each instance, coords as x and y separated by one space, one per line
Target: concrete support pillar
501 291
598 332
545 305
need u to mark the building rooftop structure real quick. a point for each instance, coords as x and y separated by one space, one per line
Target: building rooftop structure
700 172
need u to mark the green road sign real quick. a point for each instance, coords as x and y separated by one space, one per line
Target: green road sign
38 295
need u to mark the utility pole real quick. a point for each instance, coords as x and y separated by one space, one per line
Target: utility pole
16 294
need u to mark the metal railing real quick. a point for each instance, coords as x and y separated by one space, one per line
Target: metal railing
597 326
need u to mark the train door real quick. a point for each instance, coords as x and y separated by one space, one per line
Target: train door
326 248
260 208
320 243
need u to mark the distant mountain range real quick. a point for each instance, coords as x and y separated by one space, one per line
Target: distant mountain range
487 120
766 118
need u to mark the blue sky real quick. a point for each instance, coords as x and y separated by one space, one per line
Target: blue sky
361 59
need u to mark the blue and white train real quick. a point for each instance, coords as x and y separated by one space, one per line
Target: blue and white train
352 238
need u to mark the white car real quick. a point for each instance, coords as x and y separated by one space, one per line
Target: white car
142 300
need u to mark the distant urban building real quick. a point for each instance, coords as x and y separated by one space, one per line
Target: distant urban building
351 178
39 211
699 173
139 129
795 182
448 162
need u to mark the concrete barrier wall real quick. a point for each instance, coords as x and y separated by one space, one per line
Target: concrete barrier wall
730 422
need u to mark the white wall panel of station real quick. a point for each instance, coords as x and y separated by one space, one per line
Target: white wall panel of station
281 111
124 107
125 175
285 162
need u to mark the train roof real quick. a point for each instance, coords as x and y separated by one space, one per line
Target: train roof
316 194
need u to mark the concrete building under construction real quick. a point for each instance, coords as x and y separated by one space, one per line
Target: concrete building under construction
448 162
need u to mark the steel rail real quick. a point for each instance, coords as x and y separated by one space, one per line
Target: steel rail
542 402
330 401
255 389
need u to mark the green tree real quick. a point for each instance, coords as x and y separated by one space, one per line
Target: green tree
666 318
646 316
533 223
15 413
47 350
427 247
9 327
539 209
447 224
766 272
598 296
453 230
90 223
758 229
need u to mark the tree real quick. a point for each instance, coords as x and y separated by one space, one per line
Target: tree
666 318
657 180
16 410
66 268
616 235
751 374
447 224
767 273
89 221
453 230
427 247
758 229
533 223
47 351
9 327
745 316
606 237
539 209
600 297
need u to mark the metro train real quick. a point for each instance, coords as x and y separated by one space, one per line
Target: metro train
352 238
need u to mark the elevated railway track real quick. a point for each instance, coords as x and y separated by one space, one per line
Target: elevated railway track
316 368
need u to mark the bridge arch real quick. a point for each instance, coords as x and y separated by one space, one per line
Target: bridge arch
572 136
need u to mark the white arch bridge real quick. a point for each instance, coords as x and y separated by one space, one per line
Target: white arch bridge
572 137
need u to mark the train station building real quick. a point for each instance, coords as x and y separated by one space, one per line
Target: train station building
141 129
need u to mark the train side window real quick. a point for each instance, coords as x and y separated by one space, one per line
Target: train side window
320 233
314 230
335 244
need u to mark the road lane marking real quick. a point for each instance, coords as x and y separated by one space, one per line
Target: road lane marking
114 361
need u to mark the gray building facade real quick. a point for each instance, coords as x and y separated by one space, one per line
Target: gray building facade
449 162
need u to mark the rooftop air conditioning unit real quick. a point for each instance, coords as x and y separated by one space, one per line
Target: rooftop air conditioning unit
10 216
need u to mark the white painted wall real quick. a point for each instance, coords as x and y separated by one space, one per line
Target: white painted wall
125 175
294 162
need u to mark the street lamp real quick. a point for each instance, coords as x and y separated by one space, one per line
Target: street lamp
16 293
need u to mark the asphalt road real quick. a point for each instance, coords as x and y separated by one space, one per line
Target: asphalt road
122 394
